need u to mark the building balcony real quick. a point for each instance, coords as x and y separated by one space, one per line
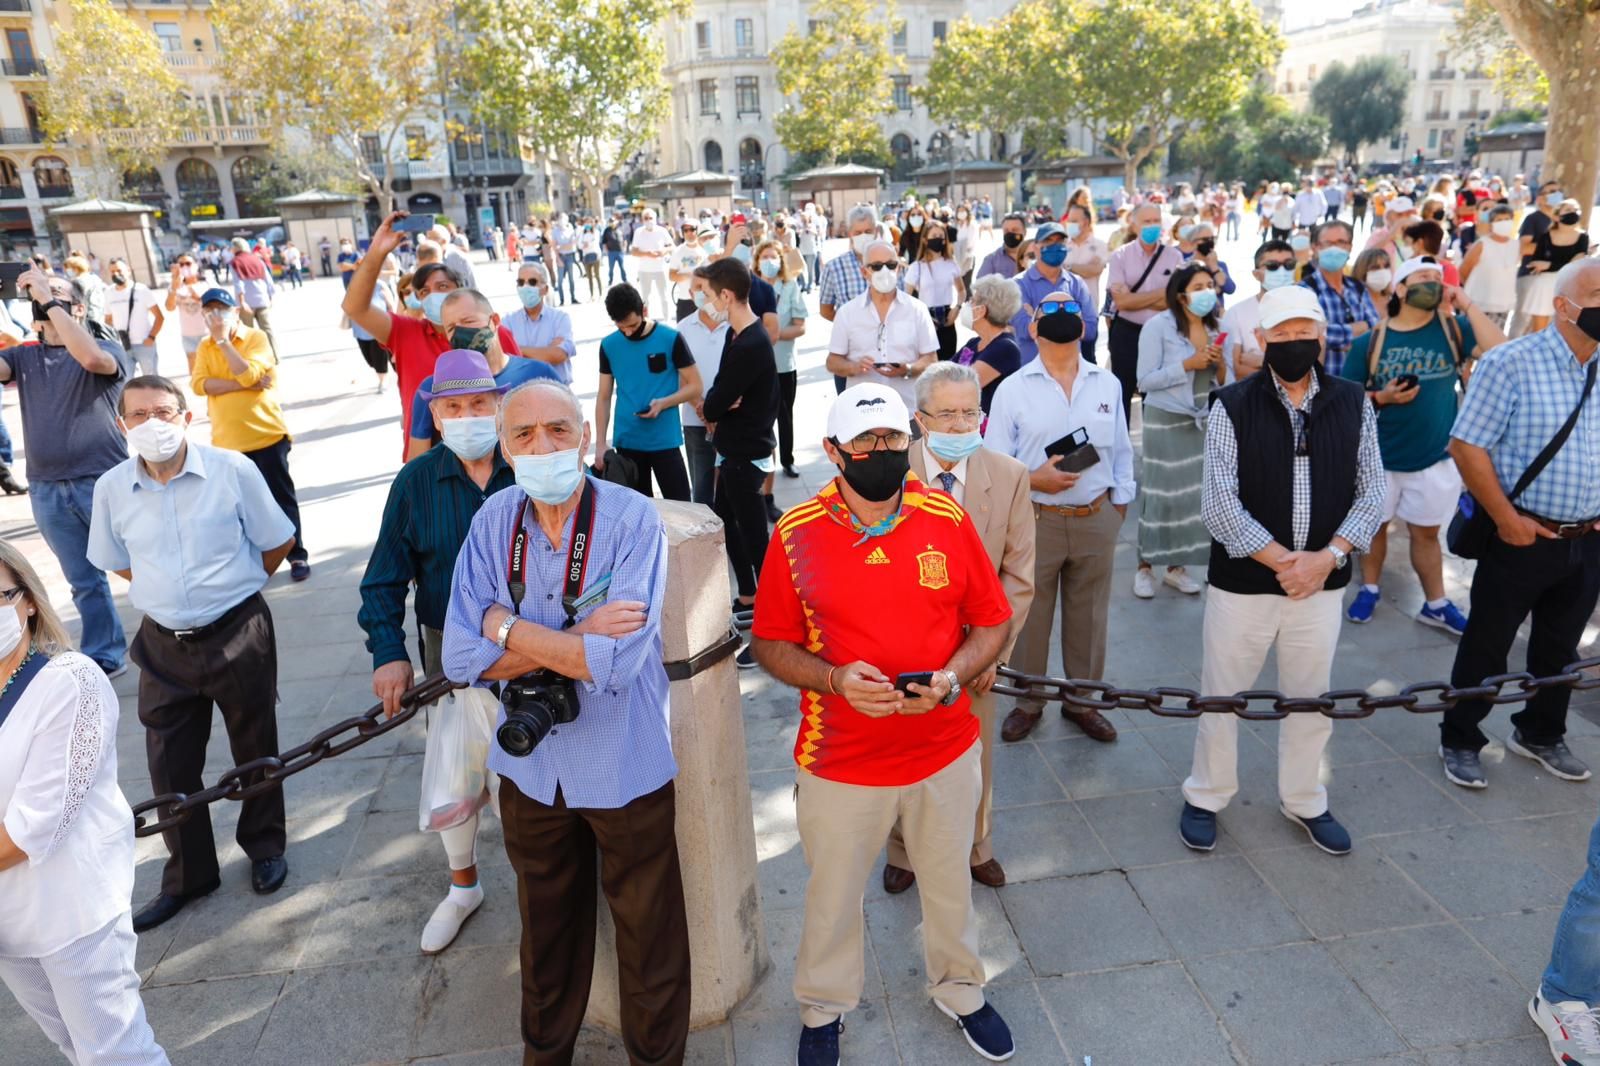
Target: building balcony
490 167
1441 75
217 136
1476 74
20 135
15 7
189 61
12 192
1436 116
1478 115
22 68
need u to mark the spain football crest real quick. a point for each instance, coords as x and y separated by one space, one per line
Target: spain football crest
932 571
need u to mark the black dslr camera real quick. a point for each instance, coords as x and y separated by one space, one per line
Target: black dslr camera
534 704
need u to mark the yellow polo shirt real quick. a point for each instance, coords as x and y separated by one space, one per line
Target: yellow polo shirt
249 419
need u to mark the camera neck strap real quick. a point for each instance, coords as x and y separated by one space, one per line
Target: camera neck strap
577 555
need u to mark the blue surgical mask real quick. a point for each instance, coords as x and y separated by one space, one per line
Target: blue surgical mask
1073 229
1277 278
551 478
954 447
413 303
742 253
1332 259
530 295
1150 234
1554 198
699 299
1299 242
770 268
1053 254
433 306
1202 302
470 438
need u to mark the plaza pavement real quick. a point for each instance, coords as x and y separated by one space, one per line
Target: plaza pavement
1111 940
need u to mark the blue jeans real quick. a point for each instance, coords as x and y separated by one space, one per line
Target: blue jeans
61 509
5 435
615 266
568 276
1574 971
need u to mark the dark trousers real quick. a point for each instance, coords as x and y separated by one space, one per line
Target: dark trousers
1333 213
235 668
946 334
788 384
1124 345
683 309
702 465
1556 581
273 462
1086 348
552 850
743 511
667 465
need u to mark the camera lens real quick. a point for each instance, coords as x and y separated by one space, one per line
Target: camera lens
529 718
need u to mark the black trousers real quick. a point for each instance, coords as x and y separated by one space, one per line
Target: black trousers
945 333
1555 581
376 355
1124 345
1086 348
667 465
684 309
552 850
788 383
744 513
273 462
235 668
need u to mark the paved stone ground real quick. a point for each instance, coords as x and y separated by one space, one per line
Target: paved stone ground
1111 941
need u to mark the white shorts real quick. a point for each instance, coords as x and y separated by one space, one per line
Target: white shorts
1423 497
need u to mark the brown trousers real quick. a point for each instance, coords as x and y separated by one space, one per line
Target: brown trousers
235 668
1073 560
982 849
552 849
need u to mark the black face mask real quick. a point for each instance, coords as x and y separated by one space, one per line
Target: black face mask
1588 320
1061 328
1205 247
1571 218
471 338
1291 360
877 475
1012 239
936 245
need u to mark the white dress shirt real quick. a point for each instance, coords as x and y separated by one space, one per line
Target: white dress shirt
903 336
930 463
1030 410
706 345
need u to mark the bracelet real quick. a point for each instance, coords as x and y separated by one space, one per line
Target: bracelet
831 690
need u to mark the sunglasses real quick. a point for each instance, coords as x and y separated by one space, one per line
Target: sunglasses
1057 307
890 265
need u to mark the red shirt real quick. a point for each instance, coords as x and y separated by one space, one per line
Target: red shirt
415 346
900 601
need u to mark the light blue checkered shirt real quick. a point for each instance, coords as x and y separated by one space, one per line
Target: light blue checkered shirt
620 746
1518 398
841 280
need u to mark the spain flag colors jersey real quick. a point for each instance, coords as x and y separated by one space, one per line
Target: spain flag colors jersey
899 601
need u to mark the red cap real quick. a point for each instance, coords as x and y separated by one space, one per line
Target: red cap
737 218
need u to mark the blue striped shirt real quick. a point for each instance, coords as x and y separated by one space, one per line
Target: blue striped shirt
1520 394
620 746
841 280
1343 308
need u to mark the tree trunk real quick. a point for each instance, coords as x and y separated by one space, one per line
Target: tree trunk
1572 136
1130 173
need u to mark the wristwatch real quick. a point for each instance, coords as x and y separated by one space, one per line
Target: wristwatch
954 694
1340 558
504 632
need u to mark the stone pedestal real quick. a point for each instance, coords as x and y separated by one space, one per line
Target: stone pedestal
716 832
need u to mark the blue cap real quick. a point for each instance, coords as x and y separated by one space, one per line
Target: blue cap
218 296
1048 230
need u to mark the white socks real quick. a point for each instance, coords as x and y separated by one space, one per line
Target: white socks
466 895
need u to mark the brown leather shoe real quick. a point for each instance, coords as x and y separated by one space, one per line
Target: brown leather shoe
896 880
989 873
1092 722
1019 723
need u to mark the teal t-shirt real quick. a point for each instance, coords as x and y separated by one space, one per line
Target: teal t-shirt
643 370
1413 436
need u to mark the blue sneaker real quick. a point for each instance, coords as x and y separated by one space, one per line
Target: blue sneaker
985 1030
1361 608
1447 618
1198 827
819 1044
1324 830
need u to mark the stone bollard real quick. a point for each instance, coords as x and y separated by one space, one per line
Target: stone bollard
716 832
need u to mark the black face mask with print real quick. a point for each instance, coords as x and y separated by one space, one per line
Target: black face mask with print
877 475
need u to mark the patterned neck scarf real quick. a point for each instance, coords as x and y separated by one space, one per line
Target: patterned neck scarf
912 494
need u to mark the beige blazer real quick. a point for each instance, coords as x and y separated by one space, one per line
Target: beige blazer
997 500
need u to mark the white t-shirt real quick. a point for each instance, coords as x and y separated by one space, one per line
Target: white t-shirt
141 299
1092 250
935 281
1283 213
706 346
651 238
1239 323
685 259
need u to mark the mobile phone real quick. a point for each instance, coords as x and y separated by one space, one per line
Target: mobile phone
414 224
924 678
887 366
1407 381
1067 445
641 412
1221 337
9 273
1076 462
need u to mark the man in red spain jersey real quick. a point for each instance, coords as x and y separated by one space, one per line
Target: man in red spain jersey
875 578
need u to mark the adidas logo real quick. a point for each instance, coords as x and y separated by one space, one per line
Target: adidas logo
877 557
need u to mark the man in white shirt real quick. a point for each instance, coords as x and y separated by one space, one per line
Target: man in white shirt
1061 416
651 245
883 335
132 311
706 335
1308 205
1241 348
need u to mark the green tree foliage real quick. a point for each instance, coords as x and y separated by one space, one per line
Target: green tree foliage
1006 75
1481 35
1364 102
581 79
1261 139
1295 140
837 79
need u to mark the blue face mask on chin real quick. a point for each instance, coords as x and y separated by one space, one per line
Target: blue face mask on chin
433 306
953 447
550 478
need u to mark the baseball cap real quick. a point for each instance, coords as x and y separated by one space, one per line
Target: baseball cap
218 296
870 406
1291 301
461 372
1402 205
1048 230
1414 264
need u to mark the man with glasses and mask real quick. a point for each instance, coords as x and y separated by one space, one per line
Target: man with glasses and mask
886 730
1293 484
68 381
1062 417
883 335
197 532
541 331
842 279
1045 277
1347 306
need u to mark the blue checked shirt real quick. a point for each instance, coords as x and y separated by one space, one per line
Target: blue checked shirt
620 746
1519 396
1342 309
841 280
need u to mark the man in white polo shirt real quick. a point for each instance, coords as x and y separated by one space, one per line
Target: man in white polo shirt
651 245
706 335
883 335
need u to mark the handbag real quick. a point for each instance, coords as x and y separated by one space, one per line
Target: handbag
1471 528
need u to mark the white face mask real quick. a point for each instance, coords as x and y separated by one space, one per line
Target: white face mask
1378 280
860 243
1502 227
964 317
10 629
156 441
884 281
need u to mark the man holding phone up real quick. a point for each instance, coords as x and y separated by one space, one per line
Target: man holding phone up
886 730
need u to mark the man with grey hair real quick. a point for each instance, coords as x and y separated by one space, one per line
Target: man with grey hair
883 334
993 490
1544 557
541 331
841 278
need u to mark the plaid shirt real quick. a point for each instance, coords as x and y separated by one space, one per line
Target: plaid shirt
1342 309
1519 396
841 280
1237 529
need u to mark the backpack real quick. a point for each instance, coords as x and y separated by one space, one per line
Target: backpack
1452 336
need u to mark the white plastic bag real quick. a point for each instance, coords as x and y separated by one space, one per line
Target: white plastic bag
455 774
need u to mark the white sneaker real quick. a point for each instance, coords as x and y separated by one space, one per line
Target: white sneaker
1572 1029
1180 580
1144 585
448 918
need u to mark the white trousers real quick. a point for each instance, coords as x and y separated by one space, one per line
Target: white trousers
656 281
1238 631
86 998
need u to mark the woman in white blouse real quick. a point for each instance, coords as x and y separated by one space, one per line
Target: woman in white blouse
66 838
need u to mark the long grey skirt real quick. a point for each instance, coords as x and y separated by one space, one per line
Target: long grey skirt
1170 530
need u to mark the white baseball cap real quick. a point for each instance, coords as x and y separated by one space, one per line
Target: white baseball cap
1291 301
1401 205
1414 264
866 407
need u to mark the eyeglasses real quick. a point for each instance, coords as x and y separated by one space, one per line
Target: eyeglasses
1278 264
12 594
890 265
526 283
970 416
894 441
164 413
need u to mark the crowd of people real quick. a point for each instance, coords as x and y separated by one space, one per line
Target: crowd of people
983 440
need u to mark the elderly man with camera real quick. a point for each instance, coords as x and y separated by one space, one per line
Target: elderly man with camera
557 594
